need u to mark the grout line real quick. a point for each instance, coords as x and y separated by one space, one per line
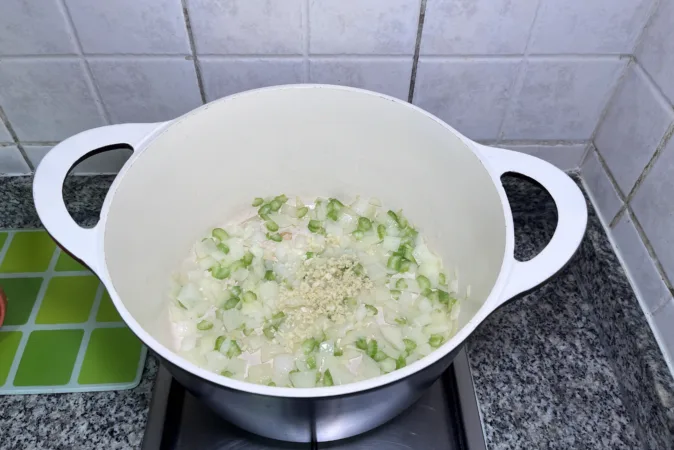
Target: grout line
651 250
649 20
89 78
586 153
611 98
543 142
357 58
417 49
606 170
5 120
28 327
307 39
651 162
653 85
8 241
88 326
518 82
193 49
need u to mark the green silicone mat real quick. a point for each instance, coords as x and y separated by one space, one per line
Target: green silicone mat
61 332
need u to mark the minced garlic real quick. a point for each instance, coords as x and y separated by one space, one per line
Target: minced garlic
324 291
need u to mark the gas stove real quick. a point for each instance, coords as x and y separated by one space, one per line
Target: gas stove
445 418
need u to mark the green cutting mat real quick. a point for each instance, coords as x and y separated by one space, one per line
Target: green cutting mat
61 332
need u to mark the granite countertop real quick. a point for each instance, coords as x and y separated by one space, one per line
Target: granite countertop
573 364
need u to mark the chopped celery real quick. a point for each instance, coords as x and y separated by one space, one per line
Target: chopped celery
226 373
271 225
236 291
372 348
220 272
361 343
393 216
301 212
220 234
338 352
218 342
274 237
315 226
277 319
436 340
410 345
258 201
269 275
275 204
249 296
311 362
423 282
394 262
401 320
358 269
395 294
247 259
309 345
371 310
236 265
204 325
231 303
442 279
327 378
358 235
381 231
350 301
269 332
401 284
234 350
380 356
364 224
264 211
281 198
310 255
400 362
223 248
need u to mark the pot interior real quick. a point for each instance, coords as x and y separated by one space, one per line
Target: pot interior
206 168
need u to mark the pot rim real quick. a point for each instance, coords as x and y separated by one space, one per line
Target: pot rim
317 392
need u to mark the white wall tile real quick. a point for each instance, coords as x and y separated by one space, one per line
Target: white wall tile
656 50
4 134
653 205
596 26
605 197
110 161
643 273
226 77
130 26
12 162
47 100
257 27
663 319
146 90
29 27
564 156
477 26
387 27
634 124
471 95
561 99
388 77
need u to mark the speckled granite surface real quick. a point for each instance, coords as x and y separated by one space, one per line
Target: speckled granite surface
572 365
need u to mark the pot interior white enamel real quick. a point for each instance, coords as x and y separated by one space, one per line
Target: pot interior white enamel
206 167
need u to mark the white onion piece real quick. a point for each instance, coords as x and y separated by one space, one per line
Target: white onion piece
303 379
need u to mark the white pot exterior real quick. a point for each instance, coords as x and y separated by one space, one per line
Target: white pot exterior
201 169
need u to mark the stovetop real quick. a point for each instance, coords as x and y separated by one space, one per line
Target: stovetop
445 418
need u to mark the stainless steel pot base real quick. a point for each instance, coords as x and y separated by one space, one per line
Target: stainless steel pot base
445 418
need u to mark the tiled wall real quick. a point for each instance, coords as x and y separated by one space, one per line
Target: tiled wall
533 75
630 172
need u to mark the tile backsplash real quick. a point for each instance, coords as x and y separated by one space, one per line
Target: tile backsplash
583 84
629 170
534 75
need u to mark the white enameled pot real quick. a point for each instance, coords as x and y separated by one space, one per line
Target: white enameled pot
194 172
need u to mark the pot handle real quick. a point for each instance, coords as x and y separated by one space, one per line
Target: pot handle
571 217
50 175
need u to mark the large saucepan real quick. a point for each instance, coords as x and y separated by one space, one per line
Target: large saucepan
194 172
